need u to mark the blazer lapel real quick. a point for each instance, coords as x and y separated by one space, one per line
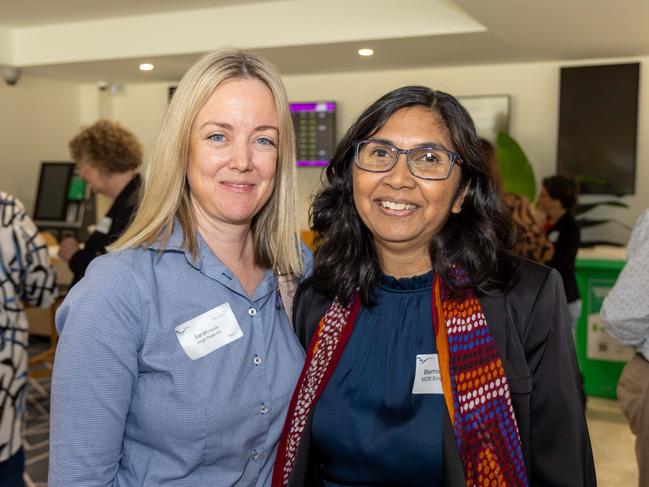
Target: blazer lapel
453 468
495 311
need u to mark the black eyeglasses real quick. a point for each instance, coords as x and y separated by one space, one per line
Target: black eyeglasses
433 162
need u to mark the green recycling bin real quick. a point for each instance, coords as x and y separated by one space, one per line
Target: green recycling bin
601 357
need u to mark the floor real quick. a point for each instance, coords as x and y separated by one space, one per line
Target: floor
610 437
36 439
612 443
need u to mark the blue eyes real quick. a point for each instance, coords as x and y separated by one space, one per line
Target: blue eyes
217 137
265 142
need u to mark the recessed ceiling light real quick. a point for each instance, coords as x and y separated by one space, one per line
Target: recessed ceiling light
146 67
365 52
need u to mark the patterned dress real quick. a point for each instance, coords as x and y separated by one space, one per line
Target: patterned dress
25 276
532 241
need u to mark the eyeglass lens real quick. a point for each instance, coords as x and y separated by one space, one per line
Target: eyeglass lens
426 162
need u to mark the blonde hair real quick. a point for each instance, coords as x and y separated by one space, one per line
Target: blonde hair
166 192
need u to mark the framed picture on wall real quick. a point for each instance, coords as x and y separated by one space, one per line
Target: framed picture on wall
490 114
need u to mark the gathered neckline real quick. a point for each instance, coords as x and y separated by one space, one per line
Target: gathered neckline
413 283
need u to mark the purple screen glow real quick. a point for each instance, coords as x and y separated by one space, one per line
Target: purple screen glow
315 130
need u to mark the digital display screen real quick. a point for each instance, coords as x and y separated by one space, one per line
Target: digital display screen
53 191
598 120
315 131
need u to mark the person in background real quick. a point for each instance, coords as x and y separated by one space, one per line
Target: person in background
434 356
557 197
625 312
25 277
532 242
177 359
107 156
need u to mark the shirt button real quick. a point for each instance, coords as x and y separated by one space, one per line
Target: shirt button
256 360
252 311
263 409
254 454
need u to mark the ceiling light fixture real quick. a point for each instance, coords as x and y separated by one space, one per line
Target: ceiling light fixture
146 67
365 52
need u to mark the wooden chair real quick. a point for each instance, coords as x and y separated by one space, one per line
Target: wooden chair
46 358
308 237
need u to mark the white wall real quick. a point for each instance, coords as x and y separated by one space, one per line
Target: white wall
139 107
37 118
6 46
40 116
534 91
247 25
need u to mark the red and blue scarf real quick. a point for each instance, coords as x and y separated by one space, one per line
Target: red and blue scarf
475 388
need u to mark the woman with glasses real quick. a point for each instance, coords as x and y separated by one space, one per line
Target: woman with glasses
434 357
176 358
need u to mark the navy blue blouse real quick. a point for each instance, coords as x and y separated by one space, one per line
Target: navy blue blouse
369 428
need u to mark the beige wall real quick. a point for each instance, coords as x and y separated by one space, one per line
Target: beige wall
37 118
247 25
534 91
6 45
139 107
533 87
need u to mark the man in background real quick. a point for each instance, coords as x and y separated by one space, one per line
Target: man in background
625 312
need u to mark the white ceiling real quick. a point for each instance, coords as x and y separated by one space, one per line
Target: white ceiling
509 31
21 13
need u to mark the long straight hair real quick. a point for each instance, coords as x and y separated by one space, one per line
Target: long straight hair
166 194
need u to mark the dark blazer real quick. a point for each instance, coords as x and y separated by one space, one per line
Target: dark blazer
121 212
531 329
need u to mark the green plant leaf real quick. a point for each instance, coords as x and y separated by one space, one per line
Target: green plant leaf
517 172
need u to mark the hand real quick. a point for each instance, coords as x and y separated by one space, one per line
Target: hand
67 248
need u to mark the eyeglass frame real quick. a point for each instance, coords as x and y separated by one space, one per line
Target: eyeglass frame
454 156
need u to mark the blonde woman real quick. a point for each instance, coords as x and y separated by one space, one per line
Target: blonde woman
177 358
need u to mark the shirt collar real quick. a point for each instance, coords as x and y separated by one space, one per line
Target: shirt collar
176 243
208 263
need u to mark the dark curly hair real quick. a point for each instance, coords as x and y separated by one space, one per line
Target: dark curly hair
479 239
110 147
563 188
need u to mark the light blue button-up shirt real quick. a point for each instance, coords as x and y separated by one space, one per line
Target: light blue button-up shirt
130 408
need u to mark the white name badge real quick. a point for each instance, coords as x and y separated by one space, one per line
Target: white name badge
209 331
103 226
428 379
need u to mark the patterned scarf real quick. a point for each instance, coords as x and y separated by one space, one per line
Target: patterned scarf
475 387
